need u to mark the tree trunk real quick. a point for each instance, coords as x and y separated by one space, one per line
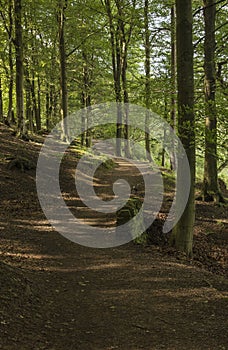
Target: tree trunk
148 80
124 36
53 105
127 150
35 107
163 149
211 188
54 99
88 131
47 105
39 102
123 47
165 132
83 118
116 68
11 71
19 68
119 123
63 76
29 111
173 81
28 100
86 100
182 235
1 102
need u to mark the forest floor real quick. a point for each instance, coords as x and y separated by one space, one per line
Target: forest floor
57 295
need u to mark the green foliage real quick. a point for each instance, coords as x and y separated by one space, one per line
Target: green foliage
87 37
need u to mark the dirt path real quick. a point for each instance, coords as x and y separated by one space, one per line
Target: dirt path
57 295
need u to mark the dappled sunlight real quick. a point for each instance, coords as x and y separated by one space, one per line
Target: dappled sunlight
42 225
84 177
194 294
100 222
201 295
115 294
107 266
31 256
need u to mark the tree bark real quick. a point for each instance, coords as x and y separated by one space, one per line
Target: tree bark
39 102
211 190
182 235
63 77
10 118
173 81
1 102
28 99
116 68
83 118
19 68
165 132
127 149
87 81
148 80
29 111
49 105
123 46
35 107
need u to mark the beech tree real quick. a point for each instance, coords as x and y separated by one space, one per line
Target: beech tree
120 37
173 75
10 115
19 67
211 188
62 5
6 14
182 235
147 64
116 67
86 99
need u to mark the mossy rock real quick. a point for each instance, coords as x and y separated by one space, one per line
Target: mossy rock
128 213
108 164
131 209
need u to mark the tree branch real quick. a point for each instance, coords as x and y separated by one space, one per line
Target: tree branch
203 37
203 8
4 21
84 39
223 83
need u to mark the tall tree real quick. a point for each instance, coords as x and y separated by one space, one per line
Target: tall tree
8 25
62 6
86 98
211 187
120 36
125 37
19 67
116 68
10 115
1 102
182 235
148 78
173 77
